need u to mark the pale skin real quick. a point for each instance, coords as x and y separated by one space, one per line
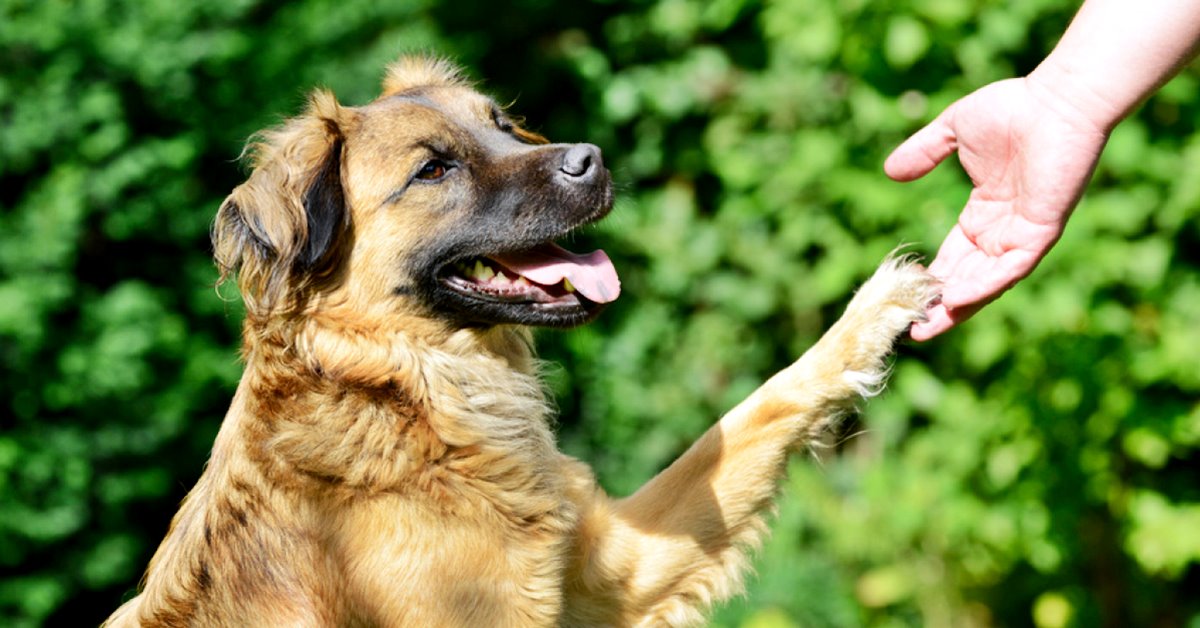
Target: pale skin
1030 144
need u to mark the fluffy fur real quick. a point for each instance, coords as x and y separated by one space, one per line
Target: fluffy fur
384 465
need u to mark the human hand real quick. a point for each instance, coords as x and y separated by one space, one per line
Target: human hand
1030 154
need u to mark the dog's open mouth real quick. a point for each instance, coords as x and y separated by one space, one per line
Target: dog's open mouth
546 276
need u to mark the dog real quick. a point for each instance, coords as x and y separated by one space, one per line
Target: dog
388 458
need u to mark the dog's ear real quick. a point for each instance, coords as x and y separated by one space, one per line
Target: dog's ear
280 229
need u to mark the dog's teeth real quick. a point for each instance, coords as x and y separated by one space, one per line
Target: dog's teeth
522 282
502 279
567 285
486 274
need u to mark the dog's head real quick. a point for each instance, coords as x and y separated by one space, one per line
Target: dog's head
430 200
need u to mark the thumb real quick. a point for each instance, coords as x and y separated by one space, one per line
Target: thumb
923 150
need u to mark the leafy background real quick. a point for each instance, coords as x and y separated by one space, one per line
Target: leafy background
1037 466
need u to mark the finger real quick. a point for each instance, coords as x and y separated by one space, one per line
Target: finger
969 275
923 150
937 321
955 250
941 319
992 279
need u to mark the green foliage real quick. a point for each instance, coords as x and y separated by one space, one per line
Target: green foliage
1036 466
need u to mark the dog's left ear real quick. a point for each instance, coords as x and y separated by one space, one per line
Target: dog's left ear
280 229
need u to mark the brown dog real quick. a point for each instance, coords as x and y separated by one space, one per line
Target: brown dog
387 460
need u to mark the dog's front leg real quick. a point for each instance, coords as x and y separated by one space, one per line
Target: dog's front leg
663 555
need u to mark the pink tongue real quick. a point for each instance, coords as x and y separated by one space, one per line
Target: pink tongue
592 275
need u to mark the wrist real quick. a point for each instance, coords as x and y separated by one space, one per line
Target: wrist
1074 94
1115 53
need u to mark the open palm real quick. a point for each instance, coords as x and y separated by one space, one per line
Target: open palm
1029 155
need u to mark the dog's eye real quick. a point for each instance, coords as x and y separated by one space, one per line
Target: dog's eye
501 122
433 170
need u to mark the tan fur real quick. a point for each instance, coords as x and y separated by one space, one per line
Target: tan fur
379 467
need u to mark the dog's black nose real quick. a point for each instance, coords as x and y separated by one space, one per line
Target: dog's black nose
581 161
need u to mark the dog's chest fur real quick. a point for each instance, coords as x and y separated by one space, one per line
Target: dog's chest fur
409 499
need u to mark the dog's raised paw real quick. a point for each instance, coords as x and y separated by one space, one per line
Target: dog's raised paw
896 296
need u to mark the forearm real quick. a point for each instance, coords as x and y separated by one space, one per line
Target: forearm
1117 52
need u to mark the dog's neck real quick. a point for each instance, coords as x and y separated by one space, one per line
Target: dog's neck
354 408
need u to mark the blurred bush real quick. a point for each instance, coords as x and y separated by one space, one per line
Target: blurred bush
1036 467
